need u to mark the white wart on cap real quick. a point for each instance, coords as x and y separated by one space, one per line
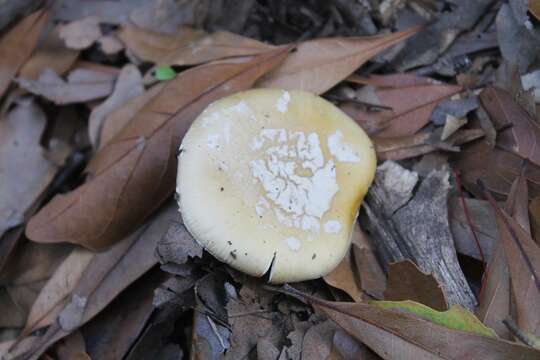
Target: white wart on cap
271 181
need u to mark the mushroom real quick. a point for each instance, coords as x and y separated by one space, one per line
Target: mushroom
270 182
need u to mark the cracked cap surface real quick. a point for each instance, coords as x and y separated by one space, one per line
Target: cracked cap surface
271 181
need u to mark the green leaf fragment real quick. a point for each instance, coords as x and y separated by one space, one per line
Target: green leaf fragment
164 73
456 317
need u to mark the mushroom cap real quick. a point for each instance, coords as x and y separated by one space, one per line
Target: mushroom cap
271 181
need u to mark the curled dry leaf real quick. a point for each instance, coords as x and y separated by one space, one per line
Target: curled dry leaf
153 46
127 86
82 85
135 172
407 282
81 34
17 45
388 333
318 65
106 276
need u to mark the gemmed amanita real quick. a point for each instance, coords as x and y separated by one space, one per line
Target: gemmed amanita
271 181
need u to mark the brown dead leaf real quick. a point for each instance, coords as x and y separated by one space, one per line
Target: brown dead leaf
210 337
160 329
407 282
155 46
17 45
534 8
32 263
81 34
71 347
523 136
82 85
411 108
106 276
20 134
251 317
216 46
494 299
534 212
368 268
483 219
370 124
52 54
409 146
111 333
55 293
318 65
24 345
318 340
136 171
16 301
359 273
350 349
504 167
121 116
127 86
177 245
13 316
517 202
395 334
343 277
266 350
166 15
392 80
523 259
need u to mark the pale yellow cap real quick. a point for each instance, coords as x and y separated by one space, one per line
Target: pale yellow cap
271 180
